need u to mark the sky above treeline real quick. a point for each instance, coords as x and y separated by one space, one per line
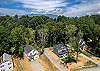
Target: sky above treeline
55 7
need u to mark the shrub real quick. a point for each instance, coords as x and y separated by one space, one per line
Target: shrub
68 59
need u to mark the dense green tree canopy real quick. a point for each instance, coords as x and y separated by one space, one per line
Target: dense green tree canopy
41 31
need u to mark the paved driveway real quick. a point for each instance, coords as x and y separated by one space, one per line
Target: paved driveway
54 59
36 65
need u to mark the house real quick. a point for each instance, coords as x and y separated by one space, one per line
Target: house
31 53
83 45
60 50
6 62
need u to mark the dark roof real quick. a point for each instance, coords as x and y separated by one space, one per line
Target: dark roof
59 46
60 49
28 49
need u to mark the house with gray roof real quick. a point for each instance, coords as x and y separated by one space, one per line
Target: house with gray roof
31 53
60 50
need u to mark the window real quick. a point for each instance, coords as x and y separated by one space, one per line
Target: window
9 67
9 63
1 66
30 54
33 51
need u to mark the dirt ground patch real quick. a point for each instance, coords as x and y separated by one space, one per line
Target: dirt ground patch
45 63
81 64
22 64
96 59
81 61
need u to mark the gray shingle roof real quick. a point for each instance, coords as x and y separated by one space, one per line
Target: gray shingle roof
7 57
60 49
28 48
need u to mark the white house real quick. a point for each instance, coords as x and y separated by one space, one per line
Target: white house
83 45
31 53
6 63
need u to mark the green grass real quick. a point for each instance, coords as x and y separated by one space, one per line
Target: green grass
86 53
89 63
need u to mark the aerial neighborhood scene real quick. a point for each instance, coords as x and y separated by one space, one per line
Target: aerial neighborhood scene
49 35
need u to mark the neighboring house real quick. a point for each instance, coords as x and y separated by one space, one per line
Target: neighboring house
31 53
6 63
60 50
83 45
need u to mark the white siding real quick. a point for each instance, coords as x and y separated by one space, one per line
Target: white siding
34 53
6 66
